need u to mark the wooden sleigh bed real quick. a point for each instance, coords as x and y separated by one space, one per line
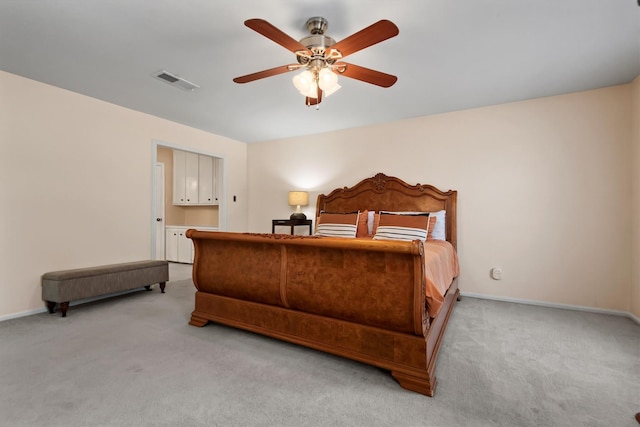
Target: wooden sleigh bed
362 299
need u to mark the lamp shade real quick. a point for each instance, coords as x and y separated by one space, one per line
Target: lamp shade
298 198
306 83
328 81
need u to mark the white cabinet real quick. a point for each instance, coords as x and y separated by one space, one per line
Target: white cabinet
196 179
217 180
185 247
191 178
179 248
185 178
206 189
179 177
171 244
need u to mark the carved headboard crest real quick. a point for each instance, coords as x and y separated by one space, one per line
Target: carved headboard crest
379 181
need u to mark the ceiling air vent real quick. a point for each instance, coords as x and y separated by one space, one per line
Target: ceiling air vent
174 80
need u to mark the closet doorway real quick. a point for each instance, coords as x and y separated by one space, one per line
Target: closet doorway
169 215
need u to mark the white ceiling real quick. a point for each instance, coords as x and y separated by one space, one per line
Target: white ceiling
450 55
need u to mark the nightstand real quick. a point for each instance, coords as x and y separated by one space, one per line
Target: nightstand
291 223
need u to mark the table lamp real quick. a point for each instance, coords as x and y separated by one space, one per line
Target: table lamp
298 198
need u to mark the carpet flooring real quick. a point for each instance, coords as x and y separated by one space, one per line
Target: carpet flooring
133 360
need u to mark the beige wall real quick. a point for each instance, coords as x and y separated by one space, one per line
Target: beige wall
76 182
543 188
635 257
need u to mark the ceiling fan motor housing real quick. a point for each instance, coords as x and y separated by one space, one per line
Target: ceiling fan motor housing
317 25
317 42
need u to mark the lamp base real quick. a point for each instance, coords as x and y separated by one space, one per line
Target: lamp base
298 216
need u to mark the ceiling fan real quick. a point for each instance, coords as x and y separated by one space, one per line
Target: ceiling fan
322 58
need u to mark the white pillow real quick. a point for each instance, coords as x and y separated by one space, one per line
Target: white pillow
370 218
439 230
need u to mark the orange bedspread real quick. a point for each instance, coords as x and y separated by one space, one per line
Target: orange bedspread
441 267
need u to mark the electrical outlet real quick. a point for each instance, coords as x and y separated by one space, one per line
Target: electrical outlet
496 273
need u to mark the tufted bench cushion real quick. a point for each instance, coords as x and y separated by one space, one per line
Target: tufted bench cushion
70 285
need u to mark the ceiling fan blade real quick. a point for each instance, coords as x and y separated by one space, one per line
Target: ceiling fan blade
365 74
266 73
269 31
375 33
314 101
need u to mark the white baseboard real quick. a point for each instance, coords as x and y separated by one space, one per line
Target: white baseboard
22 314
71 304
554 305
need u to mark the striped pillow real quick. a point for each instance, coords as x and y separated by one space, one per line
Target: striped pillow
434 217
402 227
337 224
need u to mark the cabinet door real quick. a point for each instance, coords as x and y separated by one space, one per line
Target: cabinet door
191 178
217 180
179 177
205 181
185 247
171 244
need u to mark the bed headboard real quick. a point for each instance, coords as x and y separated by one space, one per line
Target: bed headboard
387 193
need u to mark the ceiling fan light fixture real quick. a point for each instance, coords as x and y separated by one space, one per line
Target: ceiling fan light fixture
303 81
313 91
306 84
328 81
334 89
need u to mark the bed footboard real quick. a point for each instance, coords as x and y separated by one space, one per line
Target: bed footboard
363 300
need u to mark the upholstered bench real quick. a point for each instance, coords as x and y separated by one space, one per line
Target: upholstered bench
71 285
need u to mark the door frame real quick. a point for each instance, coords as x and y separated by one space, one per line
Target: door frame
159 211
222 206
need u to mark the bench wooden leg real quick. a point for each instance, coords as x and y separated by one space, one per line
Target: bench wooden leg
64 306
162 284
51 306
